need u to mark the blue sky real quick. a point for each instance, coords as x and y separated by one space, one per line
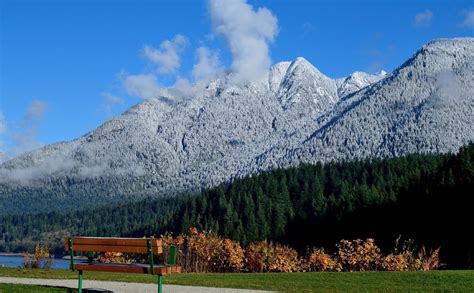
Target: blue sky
63 62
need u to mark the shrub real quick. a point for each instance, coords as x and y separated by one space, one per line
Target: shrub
205 251
395 262
358 255
256 256
201 248
409 257
284 259
39 259
116 257
230 258
428 261
319 261
265 256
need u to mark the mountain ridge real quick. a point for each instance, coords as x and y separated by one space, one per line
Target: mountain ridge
296 115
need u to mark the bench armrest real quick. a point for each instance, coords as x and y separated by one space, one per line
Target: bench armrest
71 253
172 256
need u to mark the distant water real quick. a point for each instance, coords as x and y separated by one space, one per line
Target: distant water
15 261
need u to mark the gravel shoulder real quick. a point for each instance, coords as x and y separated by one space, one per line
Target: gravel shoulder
123 287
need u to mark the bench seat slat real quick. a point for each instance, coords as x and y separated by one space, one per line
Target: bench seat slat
107 248
127 268
104 244
114 241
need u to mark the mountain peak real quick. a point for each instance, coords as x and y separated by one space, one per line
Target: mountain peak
445 42
440 53
301 62
297 115
301 59
276 75
357 81
381 73
449 47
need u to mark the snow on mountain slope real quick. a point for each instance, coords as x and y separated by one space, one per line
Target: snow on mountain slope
305 86
295 115
357 81
426 105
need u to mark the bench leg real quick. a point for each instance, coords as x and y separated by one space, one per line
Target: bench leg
80 282
160 284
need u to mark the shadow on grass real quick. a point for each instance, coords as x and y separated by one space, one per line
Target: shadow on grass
14 288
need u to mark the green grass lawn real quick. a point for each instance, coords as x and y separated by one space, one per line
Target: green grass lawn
15 288
453 281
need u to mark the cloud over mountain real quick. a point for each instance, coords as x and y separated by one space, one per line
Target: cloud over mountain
294 115
423 19
208 65
167 57
25 135
248 33
468 19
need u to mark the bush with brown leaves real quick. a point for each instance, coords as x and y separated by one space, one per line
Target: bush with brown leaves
205 251
319 261
407 257
428 261
266 256
39 259
359 255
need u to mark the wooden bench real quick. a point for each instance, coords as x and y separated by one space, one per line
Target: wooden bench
149 246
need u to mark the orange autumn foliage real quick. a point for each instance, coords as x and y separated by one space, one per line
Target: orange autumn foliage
266 256
319 261
359 255
205 251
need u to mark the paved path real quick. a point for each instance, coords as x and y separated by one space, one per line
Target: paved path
104 286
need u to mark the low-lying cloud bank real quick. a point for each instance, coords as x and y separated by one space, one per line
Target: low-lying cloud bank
59 166
3 129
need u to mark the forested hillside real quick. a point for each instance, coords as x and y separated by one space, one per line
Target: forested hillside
424 197
294 115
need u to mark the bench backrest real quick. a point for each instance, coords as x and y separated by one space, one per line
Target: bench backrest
107 244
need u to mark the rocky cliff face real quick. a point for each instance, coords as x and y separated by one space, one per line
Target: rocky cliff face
295 115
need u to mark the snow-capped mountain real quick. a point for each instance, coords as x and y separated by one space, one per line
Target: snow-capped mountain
356 81
296 114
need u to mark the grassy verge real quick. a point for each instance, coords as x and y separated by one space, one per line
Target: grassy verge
15 288
458 281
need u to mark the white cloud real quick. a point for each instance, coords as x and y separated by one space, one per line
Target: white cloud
144 86
167 57
26 137
423 19
248 33
183 90
35 111
111 102
3 129
307 28
448 86
3 126
47 166
469 19
93 171
207 66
